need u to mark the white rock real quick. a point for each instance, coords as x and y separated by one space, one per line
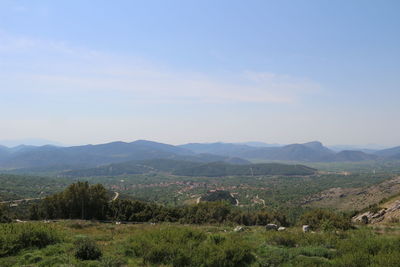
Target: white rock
306 228
238 229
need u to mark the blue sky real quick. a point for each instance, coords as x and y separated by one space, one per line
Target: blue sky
200 71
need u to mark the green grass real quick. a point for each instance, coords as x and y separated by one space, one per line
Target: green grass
16 237
203 245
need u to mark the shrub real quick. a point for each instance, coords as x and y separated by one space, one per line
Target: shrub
86 249
374 208
230 252
111 262
272 256
316 252
34 257
80 224
325 220
283 240
217 239
15 237
188 247
366 248
4 218
303 261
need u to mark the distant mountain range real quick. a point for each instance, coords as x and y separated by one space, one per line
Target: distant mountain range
89 156
308 152
75 157
29 142
371 148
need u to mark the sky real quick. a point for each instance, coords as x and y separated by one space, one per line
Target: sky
80 72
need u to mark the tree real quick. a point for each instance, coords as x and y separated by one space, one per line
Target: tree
78 201
3 216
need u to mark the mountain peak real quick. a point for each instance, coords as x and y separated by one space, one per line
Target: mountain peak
316 144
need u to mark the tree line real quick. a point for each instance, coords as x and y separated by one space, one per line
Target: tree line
92 202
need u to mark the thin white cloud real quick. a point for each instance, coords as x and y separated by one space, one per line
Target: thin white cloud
49 66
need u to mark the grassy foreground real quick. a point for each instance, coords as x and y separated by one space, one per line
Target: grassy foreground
84 243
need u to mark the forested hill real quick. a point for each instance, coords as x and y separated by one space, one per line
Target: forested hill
219 195
133 167
216 169
190 168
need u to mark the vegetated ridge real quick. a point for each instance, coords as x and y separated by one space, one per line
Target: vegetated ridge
216 169
190 168
219 195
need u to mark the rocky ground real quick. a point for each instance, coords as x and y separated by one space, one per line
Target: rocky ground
353 198
387 213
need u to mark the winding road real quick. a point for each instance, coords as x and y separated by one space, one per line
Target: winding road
115 196
20 200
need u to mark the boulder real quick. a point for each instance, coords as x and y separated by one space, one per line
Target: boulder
238 229
271 226
366 216
306 228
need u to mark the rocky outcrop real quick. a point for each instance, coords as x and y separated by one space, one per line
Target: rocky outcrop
388 214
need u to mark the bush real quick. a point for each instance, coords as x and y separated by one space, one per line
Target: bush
4 218
187 247
80 224
34 257
366 248
112 262
316 252
303 261
272 256
230 252
15 237
86 249
326 220
285 241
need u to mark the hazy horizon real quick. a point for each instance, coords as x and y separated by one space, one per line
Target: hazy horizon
42 142
200 71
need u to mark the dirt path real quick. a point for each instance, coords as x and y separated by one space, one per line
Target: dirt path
237 201
115 196
20 200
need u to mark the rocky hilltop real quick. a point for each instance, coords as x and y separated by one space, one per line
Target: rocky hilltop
390 213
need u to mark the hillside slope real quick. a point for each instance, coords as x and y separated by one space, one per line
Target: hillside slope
132 167
218 169
190 168
383 213
355 198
